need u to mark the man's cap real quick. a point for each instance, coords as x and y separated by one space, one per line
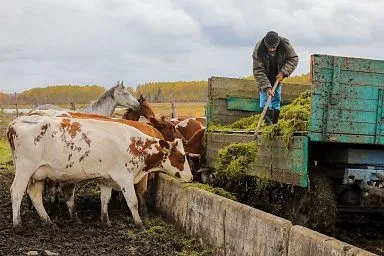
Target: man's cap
271 39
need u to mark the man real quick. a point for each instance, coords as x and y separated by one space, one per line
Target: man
273 58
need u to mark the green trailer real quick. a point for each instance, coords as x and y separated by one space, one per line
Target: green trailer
231 99
344 142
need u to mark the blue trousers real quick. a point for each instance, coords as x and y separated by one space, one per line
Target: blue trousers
275 102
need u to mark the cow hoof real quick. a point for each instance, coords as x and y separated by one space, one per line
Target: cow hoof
18 229
76 220
106 223
144 213
139 226
51 225
55 227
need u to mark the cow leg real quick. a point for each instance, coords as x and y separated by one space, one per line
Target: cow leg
68 191
105 196
35 192
19 185
141 192
124 180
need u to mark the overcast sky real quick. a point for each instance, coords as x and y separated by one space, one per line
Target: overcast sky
47 42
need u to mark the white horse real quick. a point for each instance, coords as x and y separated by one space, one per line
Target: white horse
106 104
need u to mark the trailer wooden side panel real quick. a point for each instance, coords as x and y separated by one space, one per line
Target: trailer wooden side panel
274 160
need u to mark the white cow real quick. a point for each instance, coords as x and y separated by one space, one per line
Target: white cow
72 150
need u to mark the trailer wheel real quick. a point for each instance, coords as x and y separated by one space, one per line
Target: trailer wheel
315 207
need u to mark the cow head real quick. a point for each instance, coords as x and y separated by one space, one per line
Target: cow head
175 161
166 128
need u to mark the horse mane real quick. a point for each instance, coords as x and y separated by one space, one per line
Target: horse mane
108 94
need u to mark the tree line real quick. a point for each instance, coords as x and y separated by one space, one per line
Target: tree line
298 79
179 91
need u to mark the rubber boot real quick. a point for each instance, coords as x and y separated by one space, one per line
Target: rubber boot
275 118
268 118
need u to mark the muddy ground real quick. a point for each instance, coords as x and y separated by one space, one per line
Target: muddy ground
90 238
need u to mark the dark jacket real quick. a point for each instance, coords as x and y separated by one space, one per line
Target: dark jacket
287 61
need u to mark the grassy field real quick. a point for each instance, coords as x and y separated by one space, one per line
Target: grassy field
190 109
5 155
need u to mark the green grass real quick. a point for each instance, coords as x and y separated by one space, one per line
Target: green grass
5 155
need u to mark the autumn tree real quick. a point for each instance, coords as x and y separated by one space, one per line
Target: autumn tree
4 98
298 79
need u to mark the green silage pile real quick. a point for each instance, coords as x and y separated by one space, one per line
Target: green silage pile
234 160
293 118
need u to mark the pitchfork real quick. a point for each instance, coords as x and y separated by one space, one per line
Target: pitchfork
265 110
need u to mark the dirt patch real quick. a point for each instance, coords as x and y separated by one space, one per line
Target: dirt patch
91 237
362 230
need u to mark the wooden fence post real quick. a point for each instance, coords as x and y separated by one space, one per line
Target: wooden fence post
17 109
173 109
73 107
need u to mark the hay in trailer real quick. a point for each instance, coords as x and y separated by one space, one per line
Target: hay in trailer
294 118
234 160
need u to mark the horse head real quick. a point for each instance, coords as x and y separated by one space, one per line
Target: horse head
124 98
144 110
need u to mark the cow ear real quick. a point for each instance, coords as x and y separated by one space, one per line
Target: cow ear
164 145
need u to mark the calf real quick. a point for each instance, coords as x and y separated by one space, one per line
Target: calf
71 150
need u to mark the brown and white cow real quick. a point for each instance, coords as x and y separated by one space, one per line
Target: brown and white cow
167 132
188 127
68 189
72 150
202 120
